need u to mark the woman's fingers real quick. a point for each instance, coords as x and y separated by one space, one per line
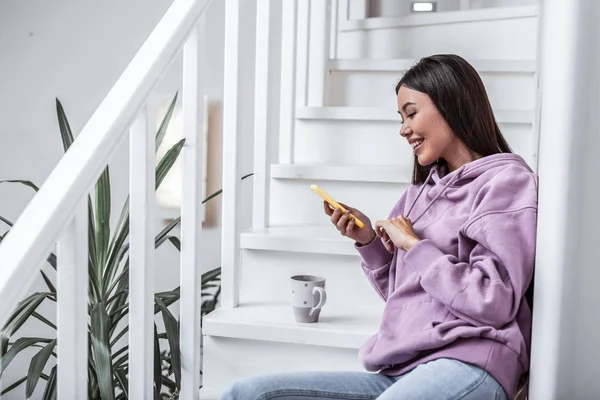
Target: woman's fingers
350 226
328 209
342 221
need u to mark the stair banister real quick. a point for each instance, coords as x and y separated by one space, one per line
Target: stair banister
58 213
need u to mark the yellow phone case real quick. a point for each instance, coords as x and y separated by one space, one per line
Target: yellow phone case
335 204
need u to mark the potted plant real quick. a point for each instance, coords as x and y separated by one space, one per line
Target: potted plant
108 294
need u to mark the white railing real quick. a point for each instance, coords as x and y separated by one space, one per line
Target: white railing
58 214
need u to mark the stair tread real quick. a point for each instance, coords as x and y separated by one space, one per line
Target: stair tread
400 64
385 114
274 321
446 17
322 239
352 173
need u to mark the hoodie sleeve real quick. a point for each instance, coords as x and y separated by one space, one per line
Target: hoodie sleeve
489 288
376 260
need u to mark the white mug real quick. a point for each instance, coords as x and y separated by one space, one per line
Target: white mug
308 297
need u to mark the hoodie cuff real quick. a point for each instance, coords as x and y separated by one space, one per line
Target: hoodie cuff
422 256
374 254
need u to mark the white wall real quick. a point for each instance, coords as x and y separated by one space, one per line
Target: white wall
75 51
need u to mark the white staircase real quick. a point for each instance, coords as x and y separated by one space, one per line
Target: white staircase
339 129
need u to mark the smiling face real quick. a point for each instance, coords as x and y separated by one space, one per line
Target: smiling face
424 127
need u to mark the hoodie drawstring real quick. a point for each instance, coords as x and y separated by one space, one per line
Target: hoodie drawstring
450 182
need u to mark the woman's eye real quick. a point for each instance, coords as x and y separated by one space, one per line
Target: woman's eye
412 115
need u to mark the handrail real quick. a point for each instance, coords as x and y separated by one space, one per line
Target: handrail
37 229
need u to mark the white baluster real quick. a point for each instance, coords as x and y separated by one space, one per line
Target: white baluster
72 307
318 53
230 242
287 95
194 58
266 40
333 31
302 53
141 259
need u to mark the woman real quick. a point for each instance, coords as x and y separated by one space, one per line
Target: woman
452 262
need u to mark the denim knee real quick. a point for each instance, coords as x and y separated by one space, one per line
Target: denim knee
246 389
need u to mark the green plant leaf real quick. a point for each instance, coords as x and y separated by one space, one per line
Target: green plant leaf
172 331
176 242
162 129
51 258
17 319
44 320
167 161
102 232
50 391
157 369
48 282
18 346
13 386
101 349
63 123
162 235
36 367
121 376
26 183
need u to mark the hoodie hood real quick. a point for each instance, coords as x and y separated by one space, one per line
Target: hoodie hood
441 179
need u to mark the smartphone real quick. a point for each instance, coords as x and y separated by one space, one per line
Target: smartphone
335 204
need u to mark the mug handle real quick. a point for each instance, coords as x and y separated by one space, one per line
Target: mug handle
322 299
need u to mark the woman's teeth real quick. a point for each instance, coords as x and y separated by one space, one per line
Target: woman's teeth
415 144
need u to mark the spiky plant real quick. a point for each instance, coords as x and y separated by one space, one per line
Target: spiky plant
108 297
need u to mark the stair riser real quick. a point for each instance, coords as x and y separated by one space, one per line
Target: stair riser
293 202
340 142
266 277
507 91
226 360
505 39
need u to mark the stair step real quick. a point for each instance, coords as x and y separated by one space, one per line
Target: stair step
299 238
351 173
398 65
271 321
382 114
207 393
439 18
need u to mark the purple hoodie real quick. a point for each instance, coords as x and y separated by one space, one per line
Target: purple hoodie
459 293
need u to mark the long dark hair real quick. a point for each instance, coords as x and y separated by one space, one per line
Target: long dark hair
458 93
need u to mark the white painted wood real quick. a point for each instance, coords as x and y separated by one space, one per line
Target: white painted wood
346 328
231 359
343 12
563 344
397 65
349 173
287 95
262 83
141 258
318 52
299 238
333 28
346 283
193 154
44 218
465 5
302 51
358 9
449 17
230 253
380 114
72 307
209 394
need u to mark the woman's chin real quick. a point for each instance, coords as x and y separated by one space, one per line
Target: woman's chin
424 161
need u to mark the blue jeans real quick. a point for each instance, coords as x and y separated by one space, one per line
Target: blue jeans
442 379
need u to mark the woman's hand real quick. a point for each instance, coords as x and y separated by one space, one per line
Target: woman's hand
399 231
346 225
